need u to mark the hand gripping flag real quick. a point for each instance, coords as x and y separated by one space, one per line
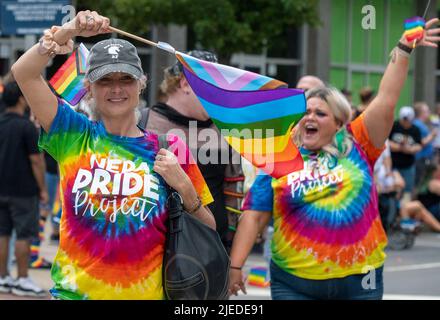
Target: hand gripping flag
414 28
68 80
254 113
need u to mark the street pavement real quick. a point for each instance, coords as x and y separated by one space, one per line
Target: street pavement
412 274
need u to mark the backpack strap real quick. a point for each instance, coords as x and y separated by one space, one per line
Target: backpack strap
145 112
163 141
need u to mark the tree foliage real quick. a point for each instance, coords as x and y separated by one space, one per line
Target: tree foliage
225 26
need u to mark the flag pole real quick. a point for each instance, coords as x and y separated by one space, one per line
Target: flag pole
151 43
161 45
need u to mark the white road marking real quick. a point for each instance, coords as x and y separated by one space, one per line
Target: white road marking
265 292
411 267
408 297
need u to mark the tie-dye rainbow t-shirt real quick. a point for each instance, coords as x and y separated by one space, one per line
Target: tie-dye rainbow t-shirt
326 217
113 225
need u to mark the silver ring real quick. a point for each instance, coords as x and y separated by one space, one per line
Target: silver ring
88 18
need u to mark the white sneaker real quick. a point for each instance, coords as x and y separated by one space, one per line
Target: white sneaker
6 284
26 287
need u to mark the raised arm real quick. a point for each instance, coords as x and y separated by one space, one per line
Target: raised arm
27 70
379 115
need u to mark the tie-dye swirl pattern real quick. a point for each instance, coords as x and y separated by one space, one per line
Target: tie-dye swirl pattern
113 223
326 219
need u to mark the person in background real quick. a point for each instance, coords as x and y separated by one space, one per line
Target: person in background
427 206
425 156
389 184
22 186
220 165
308 82
366 95
405 143
435 122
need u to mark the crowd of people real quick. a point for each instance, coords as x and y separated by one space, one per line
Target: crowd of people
362 173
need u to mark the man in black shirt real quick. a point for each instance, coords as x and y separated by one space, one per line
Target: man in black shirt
405 142
21 186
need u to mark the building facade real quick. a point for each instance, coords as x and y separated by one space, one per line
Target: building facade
342 50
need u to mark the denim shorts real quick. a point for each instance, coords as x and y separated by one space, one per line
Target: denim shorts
285 286
409 176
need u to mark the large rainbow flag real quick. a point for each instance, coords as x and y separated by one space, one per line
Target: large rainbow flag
68 80
254 113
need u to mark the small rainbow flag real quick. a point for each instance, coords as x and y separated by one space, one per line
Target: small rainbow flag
254 113
68 80
258 277
414 29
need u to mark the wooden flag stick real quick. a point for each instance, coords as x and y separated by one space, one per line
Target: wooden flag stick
151 43
161 45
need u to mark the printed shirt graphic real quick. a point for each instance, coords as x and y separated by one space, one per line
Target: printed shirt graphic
326 218
113 223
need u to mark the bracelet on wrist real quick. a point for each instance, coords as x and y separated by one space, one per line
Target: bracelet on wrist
47 47
404 47
236 268
196 206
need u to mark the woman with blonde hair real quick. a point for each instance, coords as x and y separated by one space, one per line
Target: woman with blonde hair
113 175
327 229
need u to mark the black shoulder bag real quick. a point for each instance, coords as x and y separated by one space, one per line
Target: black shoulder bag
195 263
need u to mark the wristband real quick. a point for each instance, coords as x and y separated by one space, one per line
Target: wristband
405 48
235 268
47 47
196 206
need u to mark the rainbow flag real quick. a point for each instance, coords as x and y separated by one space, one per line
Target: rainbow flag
254 113
258 277
68 80
414 29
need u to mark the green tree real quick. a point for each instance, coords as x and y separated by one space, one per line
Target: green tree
225 26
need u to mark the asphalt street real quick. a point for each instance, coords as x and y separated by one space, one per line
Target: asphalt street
408 274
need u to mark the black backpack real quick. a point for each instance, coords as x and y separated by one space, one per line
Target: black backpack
195 264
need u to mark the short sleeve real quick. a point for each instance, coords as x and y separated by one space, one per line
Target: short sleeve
260 195
418 135
67 127
189 165
30 136
360 133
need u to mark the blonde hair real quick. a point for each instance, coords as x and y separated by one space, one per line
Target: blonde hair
342 141
95 115
171 82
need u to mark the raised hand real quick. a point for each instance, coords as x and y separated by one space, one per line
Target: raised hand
87 24
431 36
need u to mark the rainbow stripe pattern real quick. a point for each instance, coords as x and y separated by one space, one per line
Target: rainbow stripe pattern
326 217
414 29
254 113
68 80
258 277
113 223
